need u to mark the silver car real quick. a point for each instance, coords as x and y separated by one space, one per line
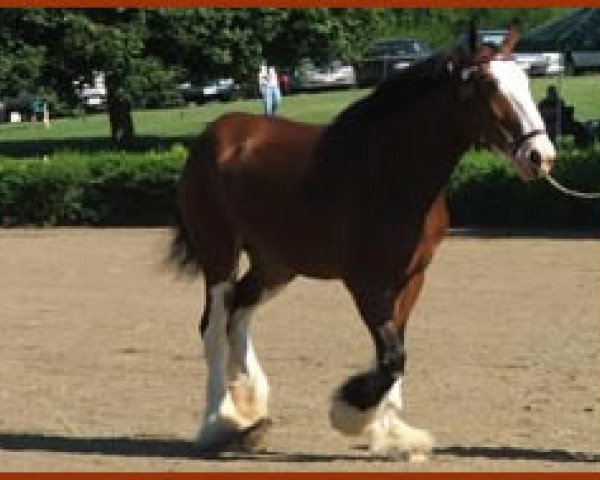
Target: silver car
309 76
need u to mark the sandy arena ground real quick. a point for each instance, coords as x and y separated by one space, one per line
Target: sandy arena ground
101 369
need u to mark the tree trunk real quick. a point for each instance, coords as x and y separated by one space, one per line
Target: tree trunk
121 122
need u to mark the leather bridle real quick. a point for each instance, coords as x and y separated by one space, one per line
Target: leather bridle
501 57
517 144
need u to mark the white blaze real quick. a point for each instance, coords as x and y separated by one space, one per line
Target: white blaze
514 86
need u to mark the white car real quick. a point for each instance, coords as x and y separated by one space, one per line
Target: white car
308 76
534 63
540 63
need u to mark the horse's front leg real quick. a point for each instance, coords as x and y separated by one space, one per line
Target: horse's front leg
371 402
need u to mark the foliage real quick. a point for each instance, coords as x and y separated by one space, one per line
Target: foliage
441 26
144 52
104 189
20 67
117 188
485 191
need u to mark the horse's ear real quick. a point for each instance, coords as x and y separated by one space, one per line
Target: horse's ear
509 42
473 37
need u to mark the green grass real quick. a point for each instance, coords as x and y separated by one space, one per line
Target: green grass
159 129
583 92
186 121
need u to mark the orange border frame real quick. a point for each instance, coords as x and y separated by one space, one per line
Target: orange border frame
303 3
300 4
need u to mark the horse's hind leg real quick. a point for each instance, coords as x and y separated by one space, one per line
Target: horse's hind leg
248 383
222 424
207 239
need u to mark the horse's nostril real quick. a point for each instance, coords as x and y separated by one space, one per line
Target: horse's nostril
535 158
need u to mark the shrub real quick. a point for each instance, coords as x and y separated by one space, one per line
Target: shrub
137 189
110 189
485 190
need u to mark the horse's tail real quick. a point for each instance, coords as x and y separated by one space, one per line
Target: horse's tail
184 252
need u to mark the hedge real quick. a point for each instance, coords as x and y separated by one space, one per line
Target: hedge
137 189
485 191
107 189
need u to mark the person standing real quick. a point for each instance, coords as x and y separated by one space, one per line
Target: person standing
268 85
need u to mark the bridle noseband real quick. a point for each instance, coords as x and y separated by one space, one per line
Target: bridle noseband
518 143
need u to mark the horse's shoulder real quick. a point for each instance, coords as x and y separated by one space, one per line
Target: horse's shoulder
243 127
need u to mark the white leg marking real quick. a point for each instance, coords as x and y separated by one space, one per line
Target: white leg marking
249 385
390 434
220 415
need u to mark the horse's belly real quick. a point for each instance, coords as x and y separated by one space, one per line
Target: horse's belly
308 244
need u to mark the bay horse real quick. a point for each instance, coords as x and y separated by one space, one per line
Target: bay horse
360 200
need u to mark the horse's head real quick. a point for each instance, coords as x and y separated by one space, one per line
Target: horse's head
494 92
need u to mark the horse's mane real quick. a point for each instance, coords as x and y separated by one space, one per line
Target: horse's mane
393 96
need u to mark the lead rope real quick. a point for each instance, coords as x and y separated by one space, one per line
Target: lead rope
551 180
574 193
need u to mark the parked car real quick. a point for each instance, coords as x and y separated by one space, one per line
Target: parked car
533 63
309 76
223 89
92 95
580 61
540 63
492 37
575 37
18 107
388 56
285 77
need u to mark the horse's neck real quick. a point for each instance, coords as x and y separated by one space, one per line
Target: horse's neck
432 144
420 143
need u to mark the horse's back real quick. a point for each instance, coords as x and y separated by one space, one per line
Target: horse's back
252 138
262 171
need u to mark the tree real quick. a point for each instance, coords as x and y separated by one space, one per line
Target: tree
113 42
441 26
324 34
58 48
20 67
144 52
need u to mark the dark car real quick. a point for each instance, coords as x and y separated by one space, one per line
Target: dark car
223 89
21 105
388 56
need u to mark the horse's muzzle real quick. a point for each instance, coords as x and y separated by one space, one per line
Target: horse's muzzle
535 156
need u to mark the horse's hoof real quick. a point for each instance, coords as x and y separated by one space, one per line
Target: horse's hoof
252 439
417 457
230 439
392 436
